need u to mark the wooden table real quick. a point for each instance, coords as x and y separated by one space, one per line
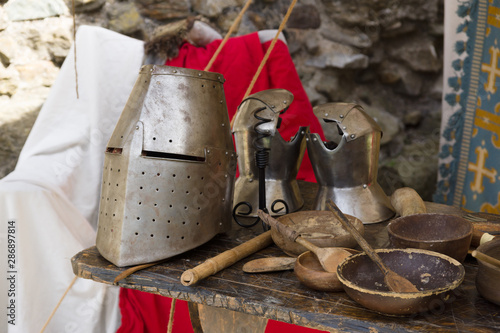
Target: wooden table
281 297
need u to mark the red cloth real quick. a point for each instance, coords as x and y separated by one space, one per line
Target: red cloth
238 62
148 313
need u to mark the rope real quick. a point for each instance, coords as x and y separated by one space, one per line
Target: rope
171 316
74 38
59 303
229 33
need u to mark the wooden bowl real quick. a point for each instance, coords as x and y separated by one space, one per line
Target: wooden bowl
318 227
435 274
447 234
311 274
488 275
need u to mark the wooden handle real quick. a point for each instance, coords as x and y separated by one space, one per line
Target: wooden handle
406 201
307 244
226 259
280 227
357 236
486 258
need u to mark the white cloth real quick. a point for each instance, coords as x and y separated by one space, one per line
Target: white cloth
53 194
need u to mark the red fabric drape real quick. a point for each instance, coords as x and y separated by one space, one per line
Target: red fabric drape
148 313
238 62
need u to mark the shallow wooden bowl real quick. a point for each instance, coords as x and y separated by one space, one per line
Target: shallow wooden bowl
443 233
488 275
434 274
311 274
318 227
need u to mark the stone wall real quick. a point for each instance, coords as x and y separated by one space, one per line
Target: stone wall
385 55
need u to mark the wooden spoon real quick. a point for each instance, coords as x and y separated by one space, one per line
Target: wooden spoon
271 264
327 256
394 281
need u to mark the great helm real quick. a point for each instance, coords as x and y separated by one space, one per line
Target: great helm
346 166
169 168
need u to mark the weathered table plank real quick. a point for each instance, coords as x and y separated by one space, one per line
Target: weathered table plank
280 296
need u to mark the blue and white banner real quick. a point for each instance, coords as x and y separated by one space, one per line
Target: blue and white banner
469 169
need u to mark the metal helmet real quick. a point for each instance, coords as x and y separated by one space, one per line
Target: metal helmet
255 127
169 168
346 168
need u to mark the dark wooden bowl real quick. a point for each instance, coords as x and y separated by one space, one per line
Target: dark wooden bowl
488 275
311 274
434 274
318 227
447 234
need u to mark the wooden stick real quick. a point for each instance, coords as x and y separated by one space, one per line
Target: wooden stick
266 56
59 303
271 47
226 259
486 258
230 31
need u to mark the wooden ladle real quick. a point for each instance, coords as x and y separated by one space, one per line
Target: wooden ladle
394 281
328 257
